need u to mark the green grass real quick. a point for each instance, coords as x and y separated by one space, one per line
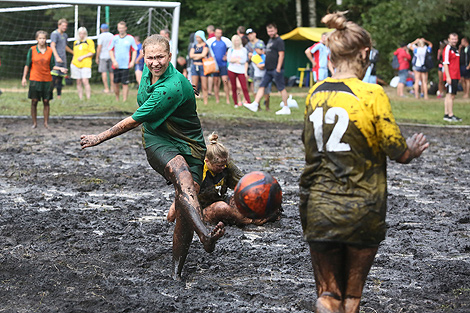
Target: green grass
14 102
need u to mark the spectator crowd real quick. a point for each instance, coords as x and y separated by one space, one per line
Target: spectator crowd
243 65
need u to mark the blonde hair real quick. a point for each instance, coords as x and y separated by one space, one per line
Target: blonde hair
346 42
82 29
421 43
236 37
216 151
156 39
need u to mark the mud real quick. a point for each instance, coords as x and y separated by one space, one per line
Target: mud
85 231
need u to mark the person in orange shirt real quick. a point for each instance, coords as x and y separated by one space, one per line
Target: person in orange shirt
41 61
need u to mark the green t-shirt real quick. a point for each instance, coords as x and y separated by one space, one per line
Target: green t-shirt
167 110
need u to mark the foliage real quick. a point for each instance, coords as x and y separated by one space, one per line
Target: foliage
395 21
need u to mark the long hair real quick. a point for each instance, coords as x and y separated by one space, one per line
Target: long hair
346 42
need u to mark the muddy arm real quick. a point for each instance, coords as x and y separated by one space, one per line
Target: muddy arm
118 129
416 146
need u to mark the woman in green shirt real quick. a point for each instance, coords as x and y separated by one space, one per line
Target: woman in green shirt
173 141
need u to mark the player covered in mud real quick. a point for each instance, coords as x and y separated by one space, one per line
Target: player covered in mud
349 130
173 141
220 173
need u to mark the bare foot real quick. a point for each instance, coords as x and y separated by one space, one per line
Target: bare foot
34 126
46 125
329 303
215 234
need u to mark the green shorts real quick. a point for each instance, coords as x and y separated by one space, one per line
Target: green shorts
158 157
40 90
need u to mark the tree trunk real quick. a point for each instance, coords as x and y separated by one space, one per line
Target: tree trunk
298 12
312 13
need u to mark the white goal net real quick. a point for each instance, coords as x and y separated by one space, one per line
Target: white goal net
19 21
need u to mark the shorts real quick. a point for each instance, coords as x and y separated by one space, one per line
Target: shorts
139 67
79 73
121 75
197 70
326 218
257 82
452 88
320 74
106 65
277 77
40 90
421 69
222 71
158 157
464 72
402 75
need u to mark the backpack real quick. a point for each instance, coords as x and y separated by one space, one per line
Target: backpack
395 63
428 61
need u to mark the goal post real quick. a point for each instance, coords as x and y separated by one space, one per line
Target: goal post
19 19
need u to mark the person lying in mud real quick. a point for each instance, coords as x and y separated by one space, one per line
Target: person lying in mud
221 173
349 130
173 141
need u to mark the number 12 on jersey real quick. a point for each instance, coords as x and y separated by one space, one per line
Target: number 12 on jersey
333 143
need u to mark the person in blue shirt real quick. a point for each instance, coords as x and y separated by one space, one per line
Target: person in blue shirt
123 52
324 59
139 61
219 45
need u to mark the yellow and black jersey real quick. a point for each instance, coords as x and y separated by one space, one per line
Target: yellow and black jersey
349 130
214 186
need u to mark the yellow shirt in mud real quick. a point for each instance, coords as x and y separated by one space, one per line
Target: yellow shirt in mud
349 129
214 186
81 48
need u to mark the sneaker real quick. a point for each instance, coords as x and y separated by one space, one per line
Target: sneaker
251 106
447 118
454 118
284 111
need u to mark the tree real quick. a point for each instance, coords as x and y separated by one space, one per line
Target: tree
312 13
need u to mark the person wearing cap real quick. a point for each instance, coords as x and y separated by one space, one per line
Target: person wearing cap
258 62
250 46
102 57
199 51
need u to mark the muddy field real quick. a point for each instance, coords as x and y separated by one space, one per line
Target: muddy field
85 231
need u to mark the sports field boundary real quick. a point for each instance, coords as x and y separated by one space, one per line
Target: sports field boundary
205 116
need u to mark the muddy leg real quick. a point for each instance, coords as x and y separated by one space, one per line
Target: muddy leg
327 269
182 237
46 112
358 264
187 205
34 112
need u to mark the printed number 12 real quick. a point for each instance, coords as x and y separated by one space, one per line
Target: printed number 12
334 143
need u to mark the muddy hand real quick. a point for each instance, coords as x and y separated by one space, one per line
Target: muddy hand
196 92
217 232
89 141
417 144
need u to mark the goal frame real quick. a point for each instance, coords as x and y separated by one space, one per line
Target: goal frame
175 6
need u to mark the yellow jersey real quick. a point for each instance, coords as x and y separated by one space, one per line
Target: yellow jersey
349 129
81 48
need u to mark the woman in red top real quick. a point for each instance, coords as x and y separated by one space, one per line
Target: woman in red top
404 59
41 61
